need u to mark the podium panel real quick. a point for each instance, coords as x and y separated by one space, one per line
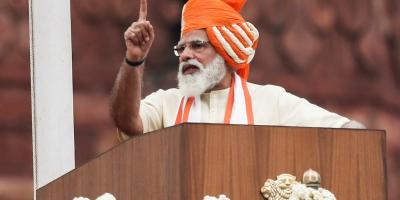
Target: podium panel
190 161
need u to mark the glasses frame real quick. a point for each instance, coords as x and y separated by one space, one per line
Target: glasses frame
194 45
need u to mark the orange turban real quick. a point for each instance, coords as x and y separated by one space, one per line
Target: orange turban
233 38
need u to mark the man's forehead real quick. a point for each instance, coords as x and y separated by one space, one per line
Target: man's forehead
194 35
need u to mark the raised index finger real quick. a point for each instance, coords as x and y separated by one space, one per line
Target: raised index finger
143 10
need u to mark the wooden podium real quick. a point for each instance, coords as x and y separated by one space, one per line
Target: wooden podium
189 161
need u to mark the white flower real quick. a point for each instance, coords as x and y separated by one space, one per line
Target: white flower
81 198
327 194
221 197
316 195
209 198
106 196
301 192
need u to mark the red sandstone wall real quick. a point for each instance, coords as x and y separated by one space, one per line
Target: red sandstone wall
340 54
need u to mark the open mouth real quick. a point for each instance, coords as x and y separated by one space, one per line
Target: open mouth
189 69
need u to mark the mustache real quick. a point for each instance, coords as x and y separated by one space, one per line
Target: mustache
193 62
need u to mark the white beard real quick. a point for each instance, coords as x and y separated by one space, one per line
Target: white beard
206 78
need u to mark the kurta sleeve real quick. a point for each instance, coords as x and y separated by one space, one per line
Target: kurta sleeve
151 111
157 110
296 111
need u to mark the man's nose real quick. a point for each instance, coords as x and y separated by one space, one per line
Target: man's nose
186 54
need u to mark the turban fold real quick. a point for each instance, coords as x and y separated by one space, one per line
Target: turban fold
233 38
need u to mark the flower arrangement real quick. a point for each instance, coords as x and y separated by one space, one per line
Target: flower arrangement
105 196
301 192
221 197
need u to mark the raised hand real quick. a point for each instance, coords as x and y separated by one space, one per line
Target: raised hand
139 36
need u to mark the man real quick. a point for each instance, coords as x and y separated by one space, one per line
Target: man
215 50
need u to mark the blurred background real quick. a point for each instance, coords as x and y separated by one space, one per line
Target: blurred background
343 55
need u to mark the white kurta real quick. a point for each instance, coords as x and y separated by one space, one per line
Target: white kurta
272 105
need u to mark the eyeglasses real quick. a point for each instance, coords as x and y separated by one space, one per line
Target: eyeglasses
195 45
